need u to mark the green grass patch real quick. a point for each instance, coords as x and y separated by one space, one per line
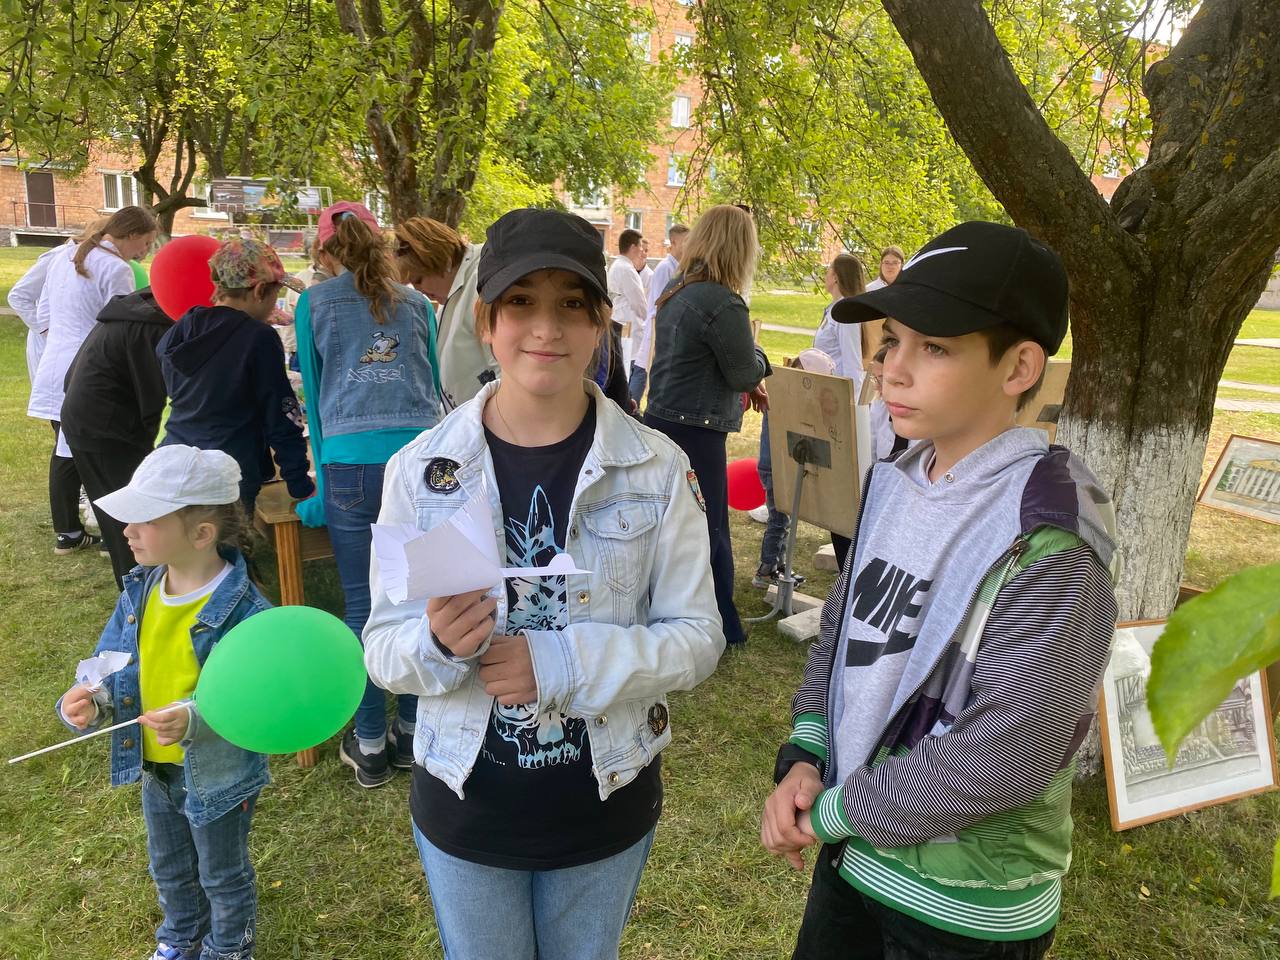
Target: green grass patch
799 309
338 875
1260 323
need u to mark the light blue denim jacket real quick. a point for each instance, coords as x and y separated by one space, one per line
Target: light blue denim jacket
374 376
642 623
219 775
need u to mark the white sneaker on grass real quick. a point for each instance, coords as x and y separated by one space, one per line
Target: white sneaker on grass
760 514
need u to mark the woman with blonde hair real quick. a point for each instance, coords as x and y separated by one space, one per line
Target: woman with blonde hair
79 282
705 358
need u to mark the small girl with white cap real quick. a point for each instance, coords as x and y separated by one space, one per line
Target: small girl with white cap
190 588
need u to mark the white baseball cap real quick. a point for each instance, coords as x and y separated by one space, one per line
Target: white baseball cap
172 477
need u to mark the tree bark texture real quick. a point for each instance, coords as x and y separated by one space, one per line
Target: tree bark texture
1162 277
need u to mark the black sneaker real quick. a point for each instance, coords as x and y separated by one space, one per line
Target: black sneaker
66 546
370 771
399 747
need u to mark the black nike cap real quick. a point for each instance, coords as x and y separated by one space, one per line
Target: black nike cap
521 242
974 276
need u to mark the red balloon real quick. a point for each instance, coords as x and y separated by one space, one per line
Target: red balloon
746 492
180 274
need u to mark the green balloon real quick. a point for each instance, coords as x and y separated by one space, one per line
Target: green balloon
140 278
283 680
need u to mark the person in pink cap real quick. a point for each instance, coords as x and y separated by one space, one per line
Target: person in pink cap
367 352
224 369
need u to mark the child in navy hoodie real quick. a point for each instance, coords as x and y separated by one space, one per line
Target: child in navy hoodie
225 373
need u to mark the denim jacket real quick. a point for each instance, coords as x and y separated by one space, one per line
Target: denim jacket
374 376
219 775
704 358
642 623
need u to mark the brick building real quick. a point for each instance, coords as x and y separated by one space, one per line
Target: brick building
42 205
651 209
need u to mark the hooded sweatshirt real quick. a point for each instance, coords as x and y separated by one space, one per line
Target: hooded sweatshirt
225 373
954 679
115 393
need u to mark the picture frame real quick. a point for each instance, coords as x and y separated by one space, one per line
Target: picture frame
1246 479
1230 755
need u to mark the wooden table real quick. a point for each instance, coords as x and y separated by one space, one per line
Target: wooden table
276 520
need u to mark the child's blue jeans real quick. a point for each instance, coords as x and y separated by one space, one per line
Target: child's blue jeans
203 874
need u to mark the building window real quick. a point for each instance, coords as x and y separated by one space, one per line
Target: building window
641 40
118 190
1099 74
680 111
684 48
1111 166
634 220
675 174
592 199
809 236
666 234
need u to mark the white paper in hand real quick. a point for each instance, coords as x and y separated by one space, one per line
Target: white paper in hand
93 671
455 556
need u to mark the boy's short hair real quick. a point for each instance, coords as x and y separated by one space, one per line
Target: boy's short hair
627 239
999 339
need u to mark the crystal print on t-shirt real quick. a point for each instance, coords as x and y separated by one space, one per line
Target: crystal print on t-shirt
547 738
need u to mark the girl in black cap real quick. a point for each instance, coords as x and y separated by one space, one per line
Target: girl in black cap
542 711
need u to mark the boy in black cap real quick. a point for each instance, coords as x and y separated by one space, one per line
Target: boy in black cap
941 709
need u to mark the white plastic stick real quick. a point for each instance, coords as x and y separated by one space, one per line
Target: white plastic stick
89 736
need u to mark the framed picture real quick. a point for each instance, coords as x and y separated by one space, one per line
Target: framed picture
1230 755
1246 479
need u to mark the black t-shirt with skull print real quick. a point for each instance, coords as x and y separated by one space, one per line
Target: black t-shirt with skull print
532 800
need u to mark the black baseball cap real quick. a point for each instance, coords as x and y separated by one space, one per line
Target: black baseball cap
974 276
523 241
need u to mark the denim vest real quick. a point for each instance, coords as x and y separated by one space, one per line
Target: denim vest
218 774
642 623
373 376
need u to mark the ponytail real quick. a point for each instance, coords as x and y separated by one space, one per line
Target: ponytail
125 222
364 252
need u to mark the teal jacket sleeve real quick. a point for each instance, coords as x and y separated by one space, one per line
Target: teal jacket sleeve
310 511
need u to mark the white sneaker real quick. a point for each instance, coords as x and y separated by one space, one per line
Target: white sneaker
87 517
760 514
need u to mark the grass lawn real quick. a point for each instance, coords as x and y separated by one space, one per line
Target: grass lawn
338 875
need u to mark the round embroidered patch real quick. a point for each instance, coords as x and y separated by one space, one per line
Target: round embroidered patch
440 475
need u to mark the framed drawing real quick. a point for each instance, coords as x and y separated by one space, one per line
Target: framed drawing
1230 755
1246 479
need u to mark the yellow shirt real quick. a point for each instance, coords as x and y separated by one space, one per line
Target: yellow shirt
167 665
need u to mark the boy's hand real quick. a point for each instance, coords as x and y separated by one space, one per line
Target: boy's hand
170 723
506 669
78 706
462 623
784 827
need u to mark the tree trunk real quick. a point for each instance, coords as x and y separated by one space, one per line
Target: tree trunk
1162 278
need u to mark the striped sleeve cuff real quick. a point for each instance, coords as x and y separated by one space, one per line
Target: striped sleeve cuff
828 817
809 732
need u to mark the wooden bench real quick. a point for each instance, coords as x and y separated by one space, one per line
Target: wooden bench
275 519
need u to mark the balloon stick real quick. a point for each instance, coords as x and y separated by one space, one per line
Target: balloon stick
89 736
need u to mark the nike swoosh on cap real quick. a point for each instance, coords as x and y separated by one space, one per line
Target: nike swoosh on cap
931 253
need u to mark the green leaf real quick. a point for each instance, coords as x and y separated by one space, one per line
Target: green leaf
1275 873
1209 644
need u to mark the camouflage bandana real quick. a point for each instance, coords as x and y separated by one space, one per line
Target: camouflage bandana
241 263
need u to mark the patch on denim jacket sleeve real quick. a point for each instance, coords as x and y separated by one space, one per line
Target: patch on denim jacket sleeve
440 477
692 477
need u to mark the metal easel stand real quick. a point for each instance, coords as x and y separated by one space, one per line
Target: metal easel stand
801 454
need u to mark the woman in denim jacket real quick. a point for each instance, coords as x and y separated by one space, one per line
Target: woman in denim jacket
198 790
542 712
367 351
704 361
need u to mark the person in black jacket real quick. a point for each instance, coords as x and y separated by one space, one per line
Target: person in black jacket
114 400
704 361
224 369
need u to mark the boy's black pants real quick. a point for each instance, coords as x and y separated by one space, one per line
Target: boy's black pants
842 924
